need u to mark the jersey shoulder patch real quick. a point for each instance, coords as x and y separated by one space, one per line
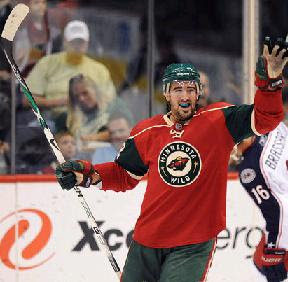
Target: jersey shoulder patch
247 175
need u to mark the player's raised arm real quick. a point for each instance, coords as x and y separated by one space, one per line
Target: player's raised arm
267 111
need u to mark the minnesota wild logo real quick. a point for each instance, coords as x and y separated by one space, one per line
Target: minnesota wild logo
179 164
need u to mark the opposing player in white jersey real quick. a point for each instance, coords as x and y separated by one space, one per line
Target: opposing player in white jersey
264 174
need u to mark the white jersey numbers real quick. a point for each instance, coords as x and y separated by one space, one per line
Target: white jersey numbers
260 194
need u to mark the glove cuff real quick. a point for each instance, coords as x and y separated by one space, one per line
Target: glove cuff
272 256
87 167
262 79
270 84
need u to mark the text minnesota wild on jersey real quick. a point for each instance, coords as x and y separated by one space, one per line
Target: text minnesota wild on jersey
179 164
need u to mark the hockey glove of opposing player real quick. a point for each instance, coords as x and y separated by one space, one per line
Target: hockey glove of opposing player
270 262
66 176
268 75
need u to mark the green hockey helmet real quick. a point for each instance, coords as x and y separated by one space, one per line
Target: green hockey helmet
181 72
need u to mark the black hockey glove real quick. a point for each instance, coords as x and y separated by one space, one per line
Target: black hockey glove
67 178
268 74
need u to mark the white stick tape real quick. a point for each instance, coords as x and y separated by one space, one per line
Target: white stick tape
14 20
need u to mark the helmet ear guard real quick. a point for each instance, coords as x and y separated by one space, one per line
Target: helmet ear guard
166 87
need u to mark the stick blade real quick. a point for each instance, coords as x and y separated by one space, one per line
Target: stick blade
14 20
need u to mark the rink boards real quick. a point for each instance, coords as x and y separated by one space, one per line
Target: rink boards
55 242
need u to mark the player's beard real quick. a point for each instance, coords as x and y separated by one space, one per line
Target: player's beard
182 115
74 58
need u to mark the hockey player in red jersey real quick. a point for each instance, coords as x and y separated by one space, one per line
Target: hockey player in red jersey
185 154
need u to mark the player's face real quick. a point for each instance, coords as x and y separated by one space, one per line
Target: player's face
182 98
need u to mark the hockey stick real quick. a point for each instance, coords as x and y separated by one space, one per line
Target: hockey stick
13 22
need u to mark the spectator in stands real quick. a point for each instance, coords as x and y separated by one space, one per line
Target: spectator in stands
88 110
5 96
67 145
36 38
5 71
49 79
33 152
204 99
5 110
4 149
119 127
136 74
64 11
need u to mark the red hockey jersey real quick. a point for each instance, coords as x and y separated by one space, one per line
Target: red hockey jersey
185 199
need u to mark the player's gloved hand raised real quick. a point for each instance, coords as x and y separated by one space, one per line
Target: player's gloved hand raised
271 263
73 173
268 75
